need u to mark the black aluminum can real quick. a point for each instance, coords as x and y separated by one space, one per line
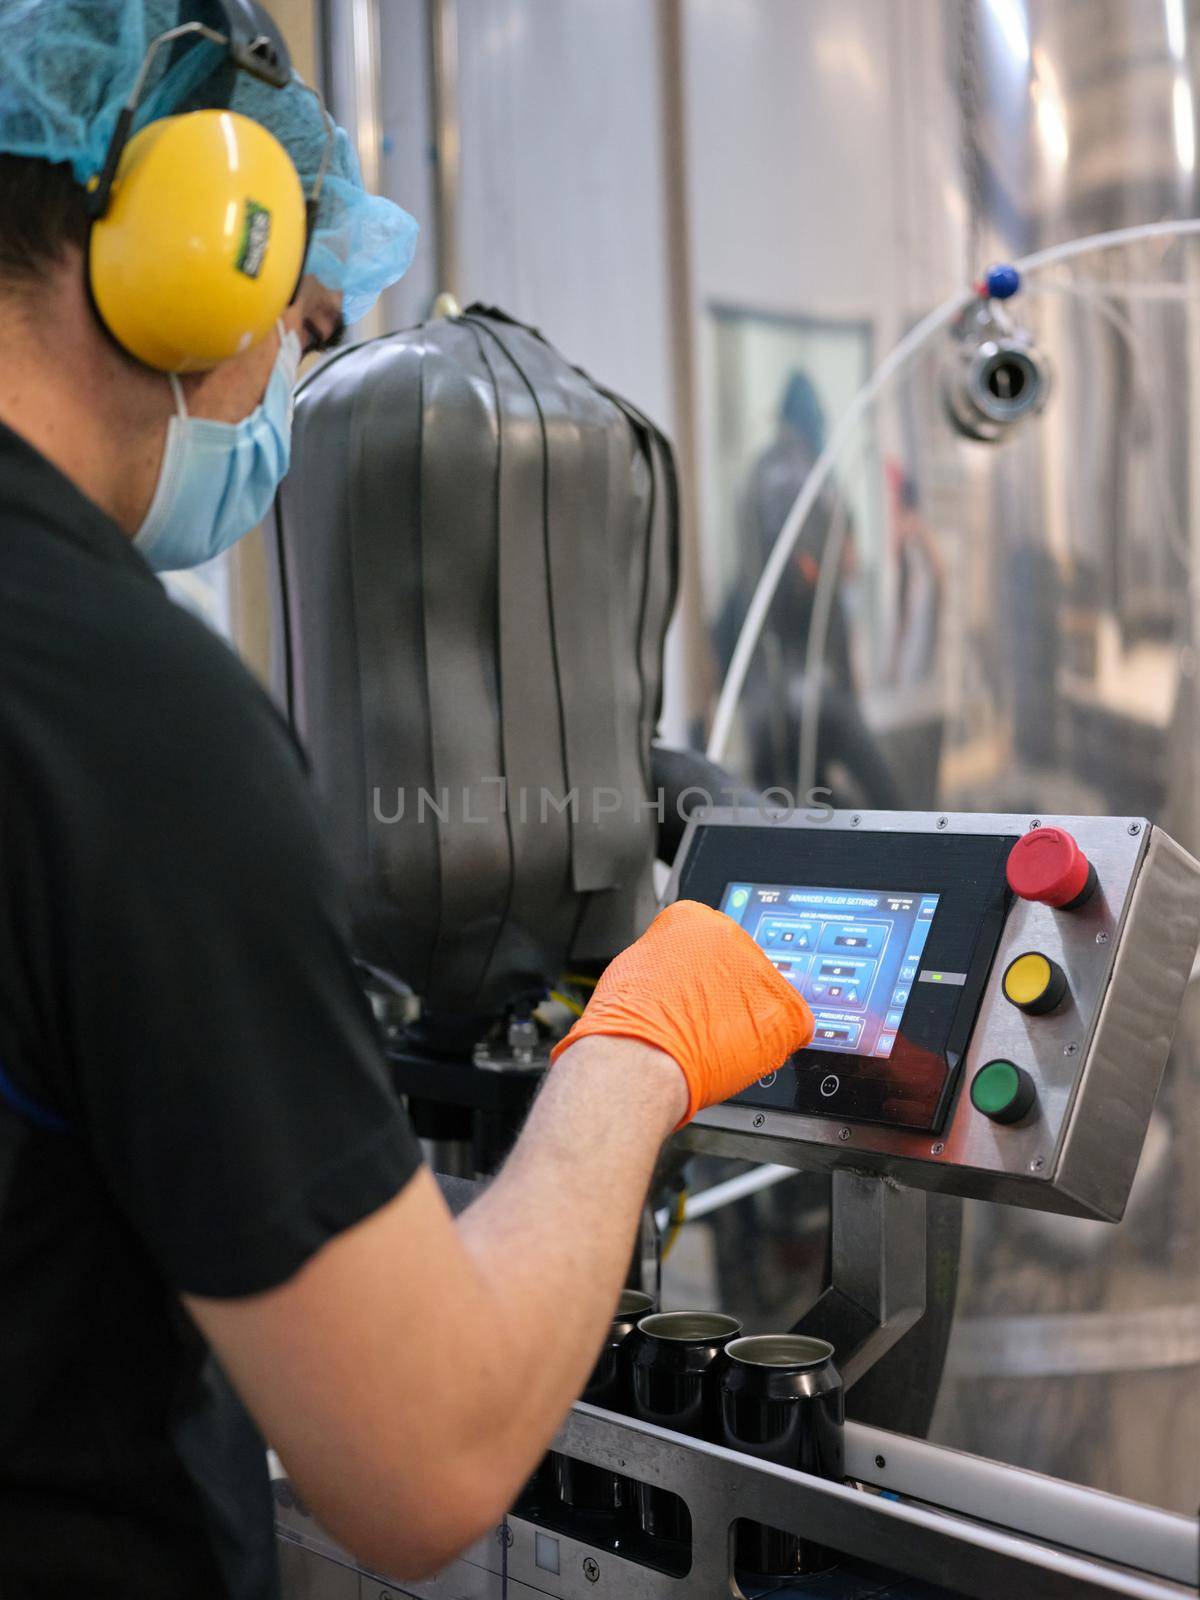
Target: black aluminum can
782 1400
674 1364
580 1485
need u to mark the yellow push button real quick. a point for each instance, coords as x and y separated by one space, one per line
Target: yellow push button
1035 984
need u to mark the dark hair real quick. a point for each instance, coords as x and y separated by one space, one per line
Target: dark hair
43 211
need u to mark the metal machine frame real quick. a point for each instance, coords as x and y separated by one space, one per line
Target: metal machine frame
976 1527
972 1526
876 1291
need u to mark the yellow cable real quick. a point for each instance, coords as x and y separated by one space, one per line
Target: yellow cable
678 1218
565 1000
579 981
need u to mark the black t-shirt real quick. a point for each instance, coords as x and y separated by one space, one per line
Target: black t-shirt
193 1097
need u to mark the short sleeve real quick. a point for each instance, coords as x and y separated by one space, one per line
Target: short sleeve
217 1055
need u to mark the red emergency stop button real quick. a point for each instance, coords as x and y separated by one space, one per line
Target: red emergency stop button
1048 866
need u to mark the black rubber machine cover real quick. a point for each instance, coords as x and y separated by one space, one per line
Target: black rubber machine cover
475 559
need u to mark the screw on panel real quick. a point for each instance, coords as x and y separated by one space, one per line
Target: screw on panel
591 1570
1037 1164
855 820
1071 1049
1102 937
881 1461
936 1149
843 1134
759 1120
1135 827
943 822
504 1535
1036 823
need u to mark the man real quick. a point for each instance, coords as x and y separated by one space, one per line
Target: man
775 696
202 1170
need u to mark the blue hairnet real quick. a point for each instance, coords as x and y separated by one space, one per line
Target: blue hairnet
68 67
802 410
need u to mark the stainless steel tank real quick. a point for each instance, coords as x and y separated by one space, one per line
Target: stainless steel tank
1014 626
1076 1347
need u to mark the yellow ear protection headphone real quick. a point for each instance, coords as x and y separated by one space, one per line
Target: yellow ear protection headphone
200 227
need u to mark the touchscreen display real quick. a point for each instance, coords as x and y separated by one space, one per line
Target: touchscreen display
852 953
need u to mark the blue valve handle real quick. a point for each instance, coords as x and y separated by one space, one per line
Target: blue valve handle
1002 281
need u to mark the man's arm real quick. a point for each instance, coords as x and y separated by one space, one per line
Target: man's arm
412 1373
222 1067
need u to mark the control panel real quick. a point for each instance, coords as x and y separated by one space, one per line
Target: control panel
994 996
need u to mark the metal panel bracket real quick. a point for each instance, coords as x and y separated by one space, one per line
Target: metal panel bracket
877 1290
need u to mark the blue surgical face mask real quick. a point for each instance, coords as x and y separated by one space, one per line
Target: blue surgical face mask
218 479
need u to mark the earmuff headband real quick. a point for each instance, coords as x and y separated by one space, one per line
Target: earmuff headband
255 45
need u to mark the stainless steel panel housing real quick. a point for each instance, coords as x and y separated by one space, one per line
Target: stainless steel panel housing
1097 1062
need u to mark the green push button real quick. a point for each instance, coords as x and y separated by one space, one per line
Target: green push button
1002 1091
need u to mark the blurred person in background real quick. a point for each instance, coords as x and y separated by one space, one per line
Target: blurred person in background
849 763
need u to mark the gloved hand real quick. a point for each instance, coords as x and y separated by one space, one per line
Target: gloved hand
697 986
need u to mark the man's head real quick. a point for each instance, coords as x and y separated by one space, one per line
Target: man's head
64 381
44 227
65 385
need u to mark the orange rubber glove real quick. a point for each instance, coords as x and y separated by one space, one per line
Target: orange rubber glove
697 986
